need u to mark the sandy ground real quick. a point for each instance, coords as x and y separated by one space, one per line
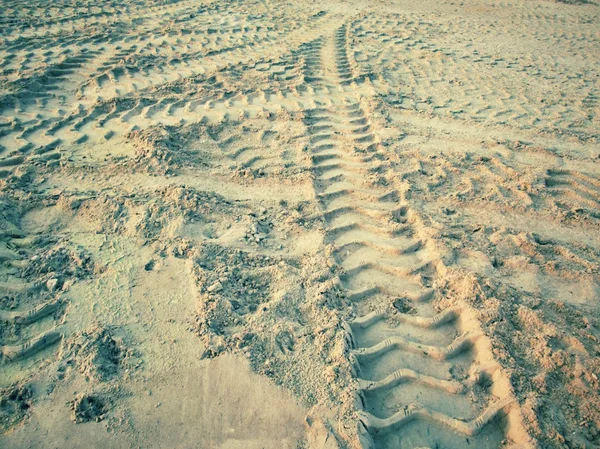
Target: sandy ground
319 225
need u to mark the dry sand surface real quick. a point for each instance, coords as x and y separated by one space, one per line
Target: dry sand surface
300 224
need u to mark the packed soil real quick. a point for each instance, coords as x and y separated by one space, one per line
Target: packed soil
320 225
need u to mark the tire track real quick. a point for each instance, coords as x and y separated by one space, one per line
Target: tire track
580 189
40 126
425 377
17 251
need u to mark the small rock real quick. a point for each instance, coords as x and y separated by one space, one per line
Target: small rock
215 288
52 284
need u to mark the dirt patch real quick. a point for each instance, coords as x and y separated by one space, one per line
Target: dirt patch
279 314
96 353
15 405
60 266
162 150
88 407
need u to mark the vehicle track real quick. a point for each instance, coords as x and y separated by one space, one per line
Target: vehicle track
425 376
33 328
580 189
428 76
112 93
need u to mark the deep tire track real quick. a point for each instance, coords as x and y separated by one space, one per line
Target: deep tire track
416 379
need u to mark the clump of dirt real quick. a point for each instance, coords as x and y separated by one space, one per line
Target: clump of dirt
156 214
97 354
60 264
404 305
19 178
156 148
160 149
101 214
15 405
551 351
232 284
168 208
88 407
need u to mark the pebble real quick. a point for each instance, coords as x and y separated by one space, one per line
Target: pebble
215 288
51 284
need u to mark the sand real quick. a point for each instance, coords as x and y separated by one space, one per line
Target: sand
319 225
